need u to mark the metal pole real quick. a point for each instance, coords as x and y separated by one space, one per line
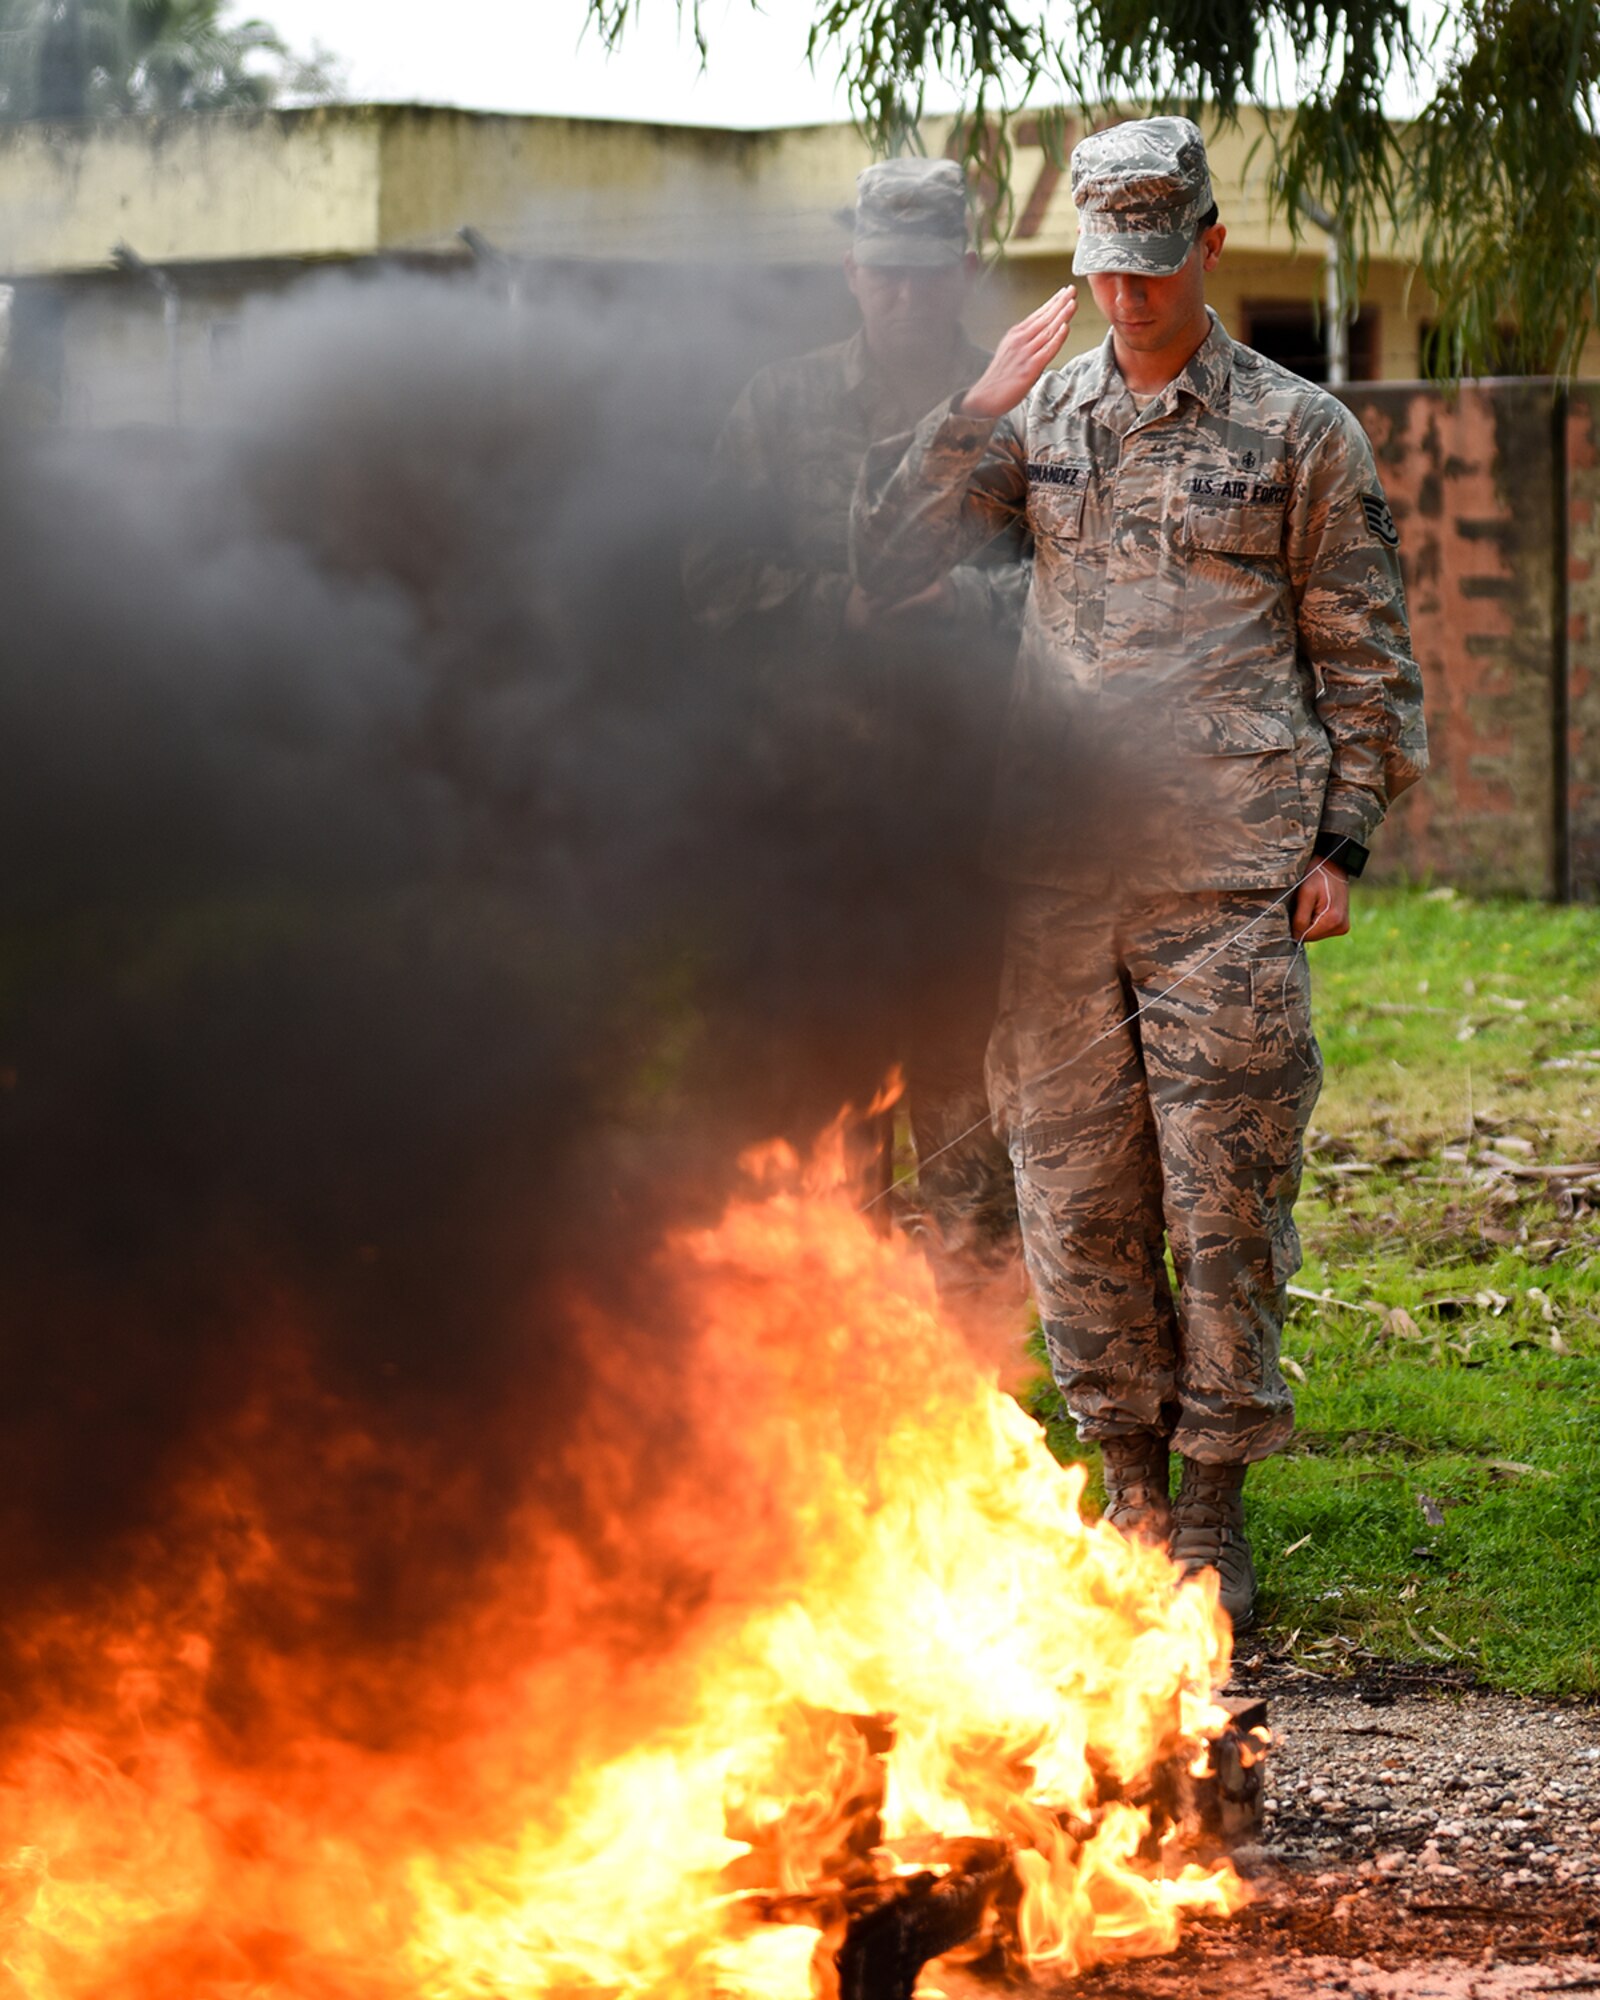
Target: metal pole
1335 306
1335 315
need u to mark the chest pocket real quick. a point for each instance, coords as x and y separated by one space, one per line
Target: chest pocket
1240 528
1055 499
818 483
1056 496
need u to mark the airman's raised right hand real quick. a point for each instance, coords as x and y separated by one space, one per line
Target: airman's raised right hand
1022 357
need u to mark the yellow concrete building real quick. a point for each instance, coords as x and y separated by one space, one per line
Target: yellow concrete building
225 207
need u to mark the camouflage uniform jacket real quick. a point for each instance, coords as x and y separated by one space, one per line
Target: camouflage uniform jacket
775 542
1215 575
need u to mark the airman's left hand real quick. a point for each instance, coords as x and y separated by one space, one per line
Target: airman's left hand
1321 904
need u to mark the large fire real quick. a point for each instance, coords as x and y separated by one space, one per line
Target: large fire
887 1556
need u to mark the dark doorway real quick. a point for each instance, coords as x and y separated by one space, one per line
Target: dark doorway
1289 331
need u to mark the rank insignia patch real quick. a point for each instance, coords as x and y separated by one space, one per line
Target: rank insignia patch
1379 519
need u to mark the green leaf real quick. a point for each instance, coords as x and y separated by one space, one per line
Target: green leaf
1496 177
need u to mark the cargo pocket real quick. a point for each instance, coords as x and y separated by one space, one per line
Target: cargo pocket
1240 789
1235 732
1286 1257
1280 997
1285 1062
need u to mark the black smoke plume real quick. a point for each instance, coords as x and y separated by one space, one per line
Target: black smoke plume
408 913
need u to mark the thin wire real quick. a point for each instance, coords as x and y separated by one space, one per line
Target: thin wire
1289 967
1105 1034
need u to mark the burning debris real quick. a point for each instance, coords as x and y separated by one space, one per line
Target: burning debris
885 1912
922 1707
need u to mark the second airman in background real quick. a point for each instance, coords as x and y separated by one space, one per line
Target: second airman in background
770 563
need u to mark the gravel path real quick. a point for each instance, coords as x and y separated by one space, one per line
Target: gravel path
1424 1842
1440 1794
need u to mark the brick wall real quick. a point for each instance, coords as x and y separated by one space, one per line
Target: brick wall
1583 641
1496 491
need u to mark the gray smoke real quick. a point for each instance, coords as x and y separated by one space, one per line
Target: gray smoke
407 915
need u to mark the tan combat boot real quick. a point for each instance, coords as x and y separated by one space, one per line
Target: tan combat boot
1135 1469
1208 1533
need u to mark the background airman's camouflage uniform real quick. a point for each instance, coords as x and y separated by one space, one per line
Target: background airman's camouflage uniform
777 535
771 561
1217 596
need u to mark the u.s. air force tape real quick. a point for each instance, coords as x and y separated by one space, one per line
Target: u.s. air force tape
1379 519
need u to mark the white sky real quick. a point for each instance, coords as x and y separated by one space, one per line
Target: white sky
533 55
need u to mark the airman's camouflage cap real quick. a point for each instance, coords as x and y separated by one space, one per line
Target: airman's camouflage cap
1141 188
910 212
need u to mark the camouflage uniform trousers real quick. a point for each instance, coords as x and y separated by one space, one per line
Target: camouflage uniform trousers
961 1204
1184 1128
962 1207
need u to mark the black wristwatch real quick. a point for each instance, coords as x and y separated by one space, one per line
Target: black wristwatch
1350 854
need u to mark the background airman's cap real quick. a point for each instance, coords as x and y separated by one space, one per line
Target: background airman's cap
1141 188
910 212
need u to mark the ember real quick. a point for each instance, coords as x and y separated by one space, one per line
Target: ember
917 1705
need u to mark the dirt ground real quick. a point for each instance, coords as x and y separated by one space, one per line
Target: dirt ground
1423 1841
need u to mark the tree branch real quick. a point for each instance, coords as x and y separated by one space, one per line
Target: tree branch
1496 177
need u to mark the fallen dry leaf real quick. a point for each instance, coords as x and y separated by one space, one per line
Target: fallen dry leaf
1326 1298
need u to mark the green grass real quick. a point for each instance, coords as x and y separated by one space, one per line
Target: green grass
1466 1383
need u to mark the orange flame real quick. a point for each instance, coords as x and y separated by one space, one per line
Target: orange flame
887 1536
